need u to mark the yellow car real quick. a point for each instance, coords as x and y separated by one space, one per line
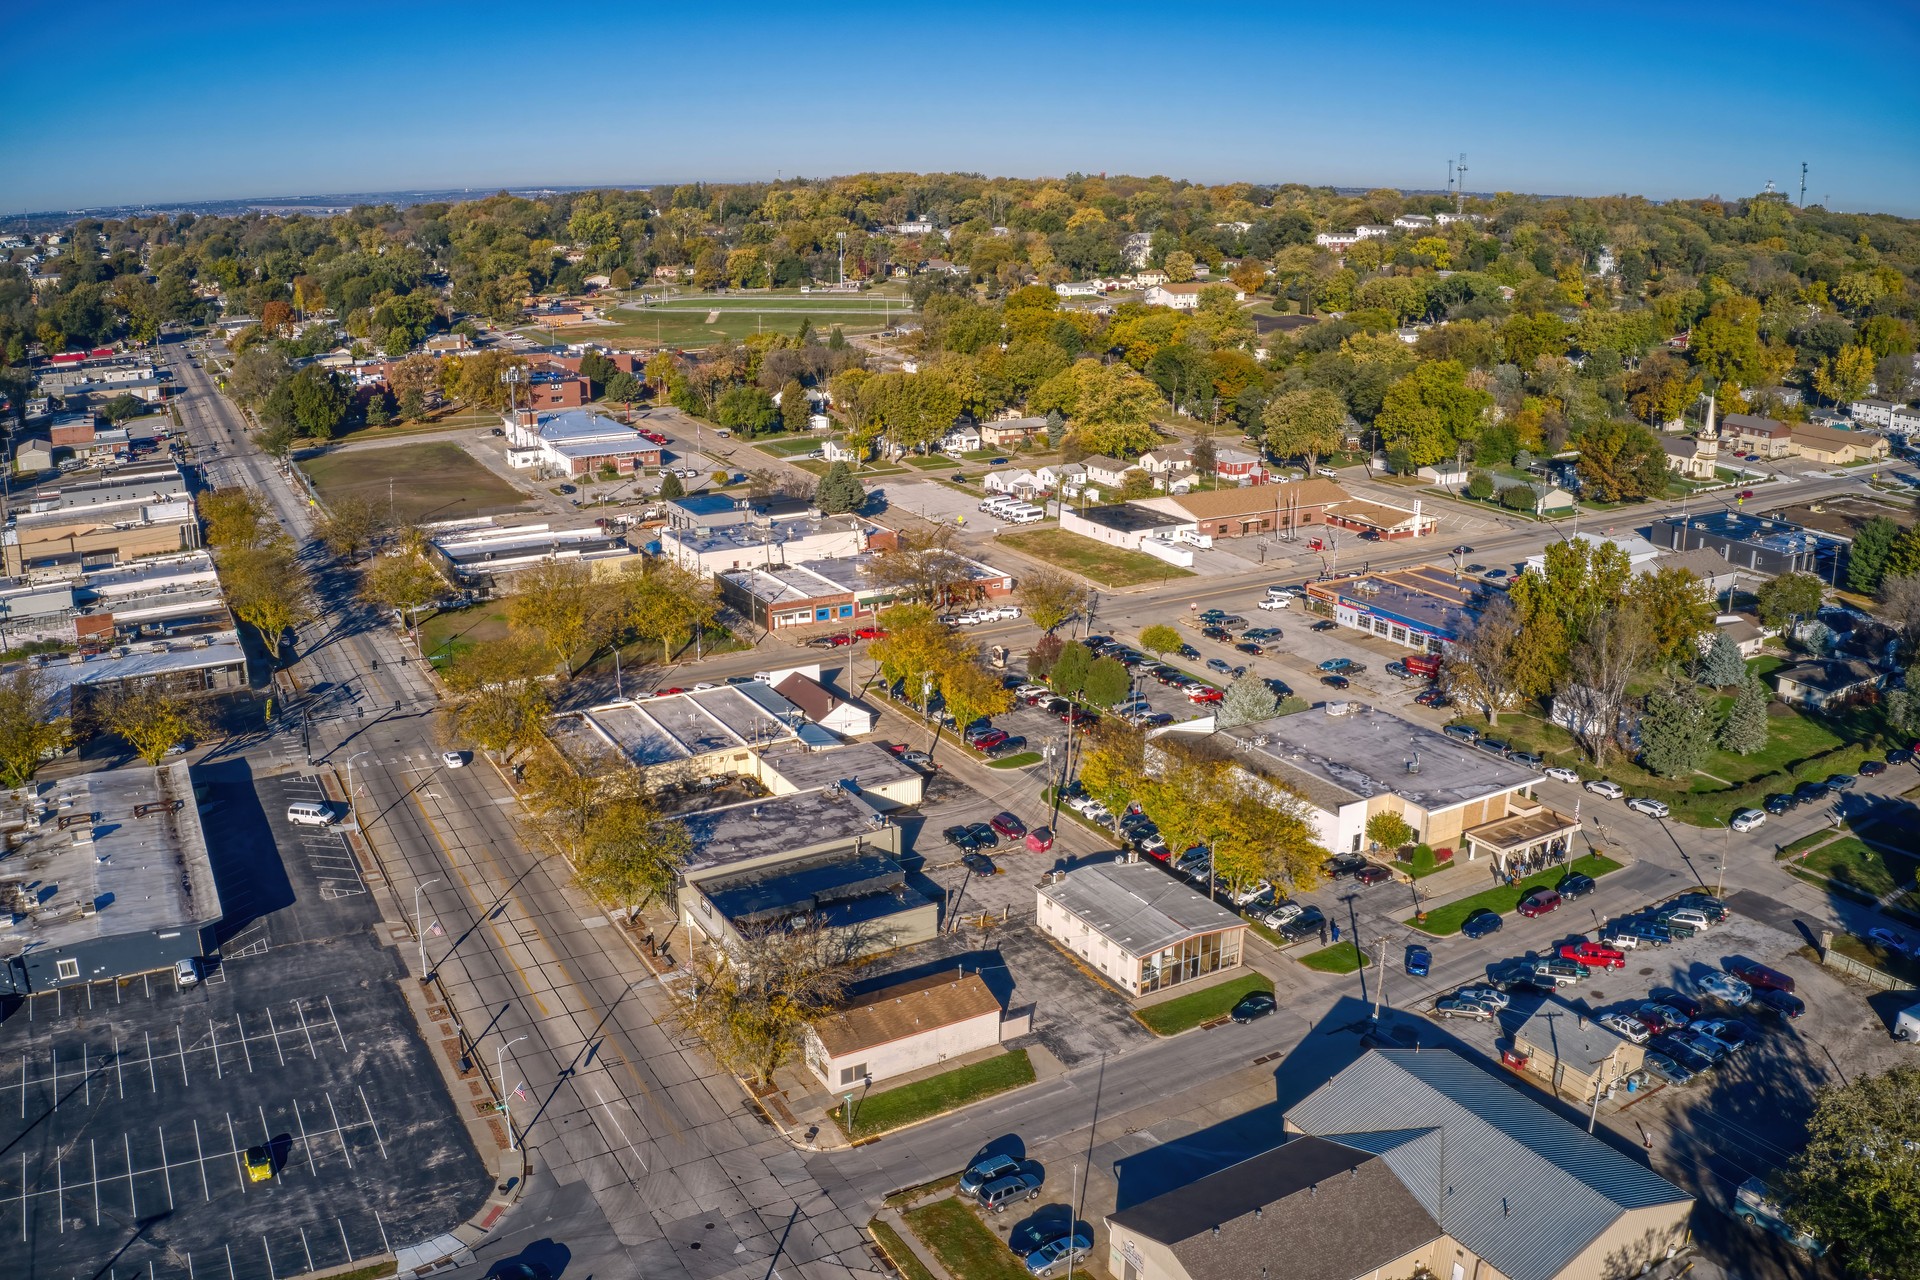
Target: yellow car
259 1164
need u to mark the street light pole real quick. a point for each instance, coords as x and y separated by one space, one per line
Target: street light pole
353 810
417 933
506 1096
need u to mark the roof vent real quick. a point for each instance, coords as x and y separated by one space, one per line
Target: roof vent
1413 764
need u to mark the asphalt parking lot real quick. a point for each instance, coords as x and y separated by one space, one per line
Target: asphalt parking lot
126 1107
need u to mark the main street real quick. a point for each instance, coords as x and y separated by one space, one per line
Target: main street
646 1159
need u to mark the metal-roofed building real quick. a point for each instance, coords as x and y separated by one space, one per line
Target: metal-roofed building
1351 763
1425 607
575 442
1511 1184
1330 1211
698 733
1761 544
103 875
717 548
1140 927
483 550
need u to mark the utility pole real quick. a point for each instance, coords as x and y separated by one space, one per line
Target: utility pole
1380 982
1460 183
1594 1115
1449 175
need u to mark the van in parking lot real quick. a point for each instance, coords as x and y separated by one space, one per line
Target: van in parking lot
998 506
311 813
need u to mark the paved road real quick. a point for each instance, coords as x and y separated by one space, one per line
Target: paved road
650 1157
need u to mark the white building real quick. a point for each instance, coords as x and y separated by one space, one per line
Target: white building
1337 239
1413 222
905 1027
1186 297
1078 289
575 442
1877 413
1142 929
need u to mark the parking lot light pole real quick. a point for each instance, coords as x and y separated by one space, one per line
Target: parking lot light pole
506 1096
417 932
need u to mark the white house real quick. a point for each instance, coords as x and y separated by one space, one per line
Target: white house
1413 221
1108 473
1017 483
843 451
1337 239
960 439
574 442
1172 460
1877 412
826 708
1904 420
1059 475
1078 289
1372 231
1149 278
1186 297
1138 245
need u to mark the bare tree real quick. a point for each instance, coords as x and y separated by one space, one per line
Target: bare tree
924 565
1900 608
1616 646
1480 671
754 996
1051 597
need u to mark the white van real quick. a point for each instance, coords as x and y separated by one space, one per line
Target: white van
1024 514
994 502
1001 506
311 813
1906 1025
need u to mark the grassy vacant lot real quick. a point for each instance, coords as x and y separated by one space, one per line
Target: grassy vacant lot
1341 957
438 478
1504 898
1109 566
1019 760
911 1103
904 1260
1885 959
683 322
1183 1013
962 1242
787 446
1852 861
445 636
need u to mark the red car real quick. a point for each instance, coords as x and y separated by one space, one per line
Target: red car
870 633
1594 955
1040 839
662 693
988 741
1372 873
1007 825
1204 693
1759 976
1539 902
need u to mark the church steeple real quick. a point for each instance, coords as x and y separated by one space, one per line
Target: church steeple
1706 449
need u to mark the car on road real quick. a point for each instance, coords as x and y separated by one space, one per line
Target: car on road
1649 806
998 1194
1574 884
1481 923
454 759
980 864
1325 624
259 1162
1336 682
1602 787
1872 768
1539 902
1626 1026
1455 1007
1254 1004
1007 825
1775 1001
989 1169
1060 1251
1560 773
1748 819
1419 960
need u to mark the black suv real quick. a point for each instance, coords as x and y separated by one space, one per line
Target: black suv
1305 925
1808 792
1344 865
1573 884
1778 803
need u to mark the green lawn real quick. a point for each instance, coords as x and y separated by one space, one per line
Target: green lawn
1109 566
786 448
1017 761
437 480
1872 953
683 321
445 636
1852 861
1445 920
962 1242
1341 957
1183 1013
892 1109
904 1260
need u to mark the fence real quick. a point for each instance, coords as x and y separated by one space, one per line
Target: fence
1873 977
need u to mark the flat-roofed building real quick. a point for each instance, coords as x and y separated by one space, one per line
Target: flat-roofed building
1760 544
1426 607
779 597
106 875
159 598
1142 929
488 550
683 736
92 521
906 1026
1351 763
718 548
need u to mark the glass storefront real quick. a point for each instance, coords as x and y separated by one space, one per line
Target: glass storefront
1190 959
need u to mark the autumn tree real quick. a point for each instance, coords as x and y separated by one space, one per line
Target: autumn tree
1789 596
1482 665
1857 1180
153 723
1109 407
1304 424
1248 700
499 695
268 589
666 604
755 995
30 726
1677 608
970 691
921 566
352 524
560 606
1051 597
403 581
1390 830
1426 413
1621 462
1616 645
1160 640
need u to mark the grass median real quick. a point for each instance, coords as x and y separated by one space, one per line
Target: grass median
911 1103
904 1260
1505 898
962 1242
1341 957
1183 1013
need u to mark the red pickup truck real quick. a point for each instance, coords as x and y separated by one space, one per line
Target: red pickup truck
1593 955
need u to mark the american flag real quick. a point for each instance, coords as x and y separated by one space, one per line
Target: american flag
434 930
520 1091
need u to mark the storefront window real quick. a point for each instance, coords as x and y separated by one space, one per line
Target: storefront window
1187 960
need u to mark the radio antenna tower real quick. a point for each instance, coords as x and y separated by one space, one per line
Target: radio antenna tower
1803 184
1449 175
1460 186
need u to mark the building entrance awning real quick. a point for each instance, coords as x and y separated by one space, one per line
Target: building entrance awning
1529 836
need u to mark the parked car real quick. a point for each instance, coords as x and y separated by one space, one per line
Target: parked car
1455 1007
1490 996
980 864
1872 768
1676 1046
1492 746
1462 733
1690 917
1481 923
1645 930
1336 664
1007 825
1778 804
1840 781
1664 1067
1758 976
1336 682
1372 873
1283 914
1724 986
1562 973
1649 806
1626 1026
1065 1250
1539 902
1773 1000
1528 758
1249 648
1574 884
1305 925
1734 1034
1613 937
998 1194
1325 624
1809 792
1560 773
1419 960
1342 865
1658 1017
1602 787
1748 819
961 838
1678 1001
1593 955
983 835
1254 1004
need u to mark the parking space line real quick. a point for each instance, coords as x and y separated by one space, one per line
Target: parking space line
336 1128
86 1076
276 1037
371 1121
59 1190
309 1033
307 1247
344 1244
133 1201
271 1273
180 1033
55 1054
243 1041
166 1171
233 1140
94 1156
119 1069
299 1121
153 1081
335 1019
200 1160
213 1036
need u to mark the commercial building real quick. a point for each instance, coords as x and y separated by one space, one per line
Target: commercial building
158 598
1426 607
574 442
92 521
779 597
1288 507
826 708
907 1026
1759 544
826 858
1836 447
483 551
1642 556
1350 764
718 548
1752 433
105 875
1565 1051
1142 929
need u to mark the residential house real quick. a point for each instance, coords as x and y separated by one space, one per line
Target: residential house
845 451
1238 466
1904 420
961 438
1012 433
1413 222
1107 473
1743 630
1372 231
1078 289
1061 475
32 456
826 708
1148 278
1834 447
905 1027
1171 460
1186 297
1136 248
1138 927
1826 684
1878 413
1338 239
1751 433
1013 483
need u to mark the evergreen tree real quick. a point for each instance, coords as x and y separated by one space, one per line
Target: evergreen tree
1676 730
1056 428
1867 558
670 486
1247 699
840 491
1721 666
1745 731
1903 705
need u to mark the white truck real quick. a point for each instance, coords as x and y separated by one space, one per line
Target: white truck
1906 1025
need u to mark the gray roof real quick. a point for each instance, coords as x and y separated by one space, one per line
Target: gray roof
864 764
128 873
1331 1211
1366 753
1504 1176
1828 675
754 829
1569 1035
1139 908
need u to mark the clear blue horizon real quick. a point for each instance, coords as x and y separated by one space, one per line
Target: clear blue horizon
133 104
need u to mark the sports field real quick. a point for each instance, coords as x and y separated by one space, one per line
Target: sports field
436 478
694 319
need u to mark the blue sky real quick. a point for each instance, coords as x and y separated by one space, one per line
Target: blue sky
120 103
